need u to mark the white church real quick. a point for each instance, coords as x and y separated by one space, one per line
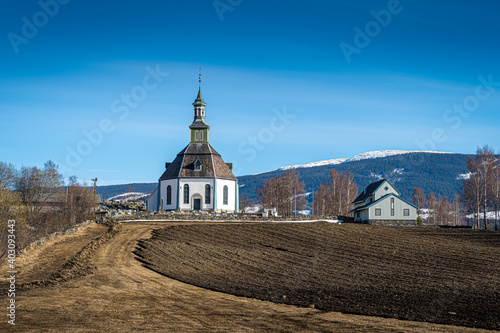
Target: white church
197 179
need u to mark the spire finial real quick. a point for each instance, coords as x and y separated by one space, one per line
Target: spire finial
199 78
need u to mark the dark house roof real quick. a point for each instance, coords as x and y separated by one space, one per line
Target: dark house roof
212 165
369 190
368 205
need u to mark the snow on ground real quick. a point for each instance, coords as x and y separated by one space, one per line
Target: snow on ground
129 196
489 215
399 171
253 209
464 176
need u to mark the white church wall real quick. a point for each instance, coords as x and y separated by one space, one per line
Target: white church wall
196 188
152 202
164 185
231 203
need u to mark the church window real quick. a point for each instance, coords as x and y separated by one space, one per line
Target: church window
186 193
392 206
169 195
195 135
201 135
197 165
207 194
225 195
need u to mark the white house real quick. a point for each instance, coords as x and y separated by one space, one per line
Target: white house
198 178
381 203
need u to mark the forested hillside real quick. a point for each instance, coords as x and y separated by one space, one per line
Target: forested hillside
432 172
438 173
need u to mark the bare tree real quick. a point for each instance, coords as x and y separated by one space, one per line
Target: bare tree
8 174
418 199
477 190
283 193
336 196
431 206
245 203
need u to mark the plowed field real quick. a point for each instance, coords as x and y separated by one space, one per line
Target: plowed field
431 275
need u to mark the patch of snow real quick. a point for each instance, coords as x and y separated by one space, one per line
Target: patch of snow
129 196
489 215
464 176
378 177
386 153
253 209
399 171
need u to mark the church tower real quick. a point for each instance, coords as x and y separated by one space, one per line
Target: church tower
199 128
197 179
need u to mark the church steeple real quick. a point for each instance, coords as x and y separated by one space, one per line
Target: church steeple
199 129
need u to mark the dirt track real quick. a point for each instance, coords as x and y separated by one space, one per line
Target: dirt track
121 295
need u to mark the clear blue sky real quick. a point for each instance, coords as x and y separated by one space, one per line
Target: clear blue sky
66 68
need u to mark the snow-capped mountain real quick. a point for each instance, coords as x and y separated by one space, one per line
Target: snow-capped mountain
386 153
359 157
315 164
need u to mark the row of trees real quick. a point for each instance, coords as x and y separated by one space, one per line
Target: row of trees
40 202
286 194
335 197
440 210
480 195
482 190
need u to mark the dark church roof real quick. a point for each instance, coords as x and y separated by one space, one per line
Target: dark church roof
212 165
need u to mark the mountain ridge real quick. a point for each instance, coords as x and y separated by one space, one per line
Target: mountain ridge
438 172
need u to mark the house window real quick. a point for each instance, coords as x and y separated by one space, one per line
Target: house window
378 212
169 195
186 193
225 195
406 212
197 165
207 194
392 206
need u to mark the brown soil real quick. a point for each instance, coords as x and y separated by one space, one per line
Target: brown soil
120 295
431 275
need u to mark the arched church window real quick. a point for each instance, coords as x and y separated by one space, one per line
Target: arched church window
195 135
169 195
225 195
186 193
207 194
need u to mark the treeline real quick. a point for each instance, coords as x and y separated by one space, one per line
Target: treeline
286 193
481 192
440 210
335 197
480 195
40 203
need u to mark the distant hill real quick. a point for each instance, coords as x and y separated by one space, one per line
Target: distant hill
441 173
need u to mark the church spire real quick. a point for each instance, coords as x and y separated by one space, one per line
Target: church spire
199 129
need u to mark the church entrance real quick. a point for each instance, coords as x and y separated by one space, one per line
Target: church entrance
197 204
